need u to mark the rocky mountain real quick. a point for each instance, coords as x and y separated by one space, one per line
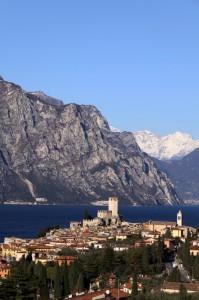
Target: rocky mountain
172 146
43 97
184 174
68 154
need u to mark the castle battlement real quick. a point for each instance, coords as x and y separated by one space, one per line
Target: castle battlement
107 217
92 222
104 214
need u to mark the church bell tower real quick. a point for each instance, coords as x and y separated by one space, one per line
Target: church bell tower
179 218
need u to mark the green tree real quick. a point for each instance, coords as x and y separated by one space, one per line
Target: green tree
134 285
41 274
67 251
29 257
66 285
24 282
167 234
80 283
120 265
145 261
73 276
183 292
108 259
7 289
90 266
50 275
47 229
57 283
174 276
157 253
185 255
196 268
160 255
87 215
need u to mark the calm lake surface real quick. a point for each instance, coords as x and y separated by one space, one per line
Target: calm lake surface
27 220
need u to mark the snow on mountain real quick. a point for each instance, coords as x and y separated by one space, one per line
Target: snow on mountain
172 146
114 129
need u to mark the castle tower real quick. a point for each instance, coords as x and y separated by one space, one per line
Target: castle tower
179 218
113 206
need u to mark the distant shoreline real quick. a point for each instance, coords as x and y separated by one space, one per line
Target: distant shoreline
27 220
97 203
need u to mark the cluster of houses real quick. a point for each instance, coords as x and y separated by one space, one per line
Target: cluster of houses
95 234
81 239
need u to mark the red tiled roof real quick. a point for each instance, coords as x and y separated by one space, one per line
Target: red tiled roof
194 247
66 257
114 293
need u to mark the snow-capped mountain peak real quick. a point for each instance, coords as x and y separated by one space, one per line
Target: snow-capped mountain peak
114 129
172 146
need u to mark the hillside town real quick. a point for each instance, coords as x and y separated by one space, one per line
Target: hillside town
64 246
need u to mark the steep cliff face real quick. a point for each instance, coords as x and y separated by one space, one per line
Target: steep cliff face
67 153
184 173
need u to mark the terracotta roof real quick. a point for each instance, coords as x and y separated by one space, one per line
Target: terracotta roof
4 267
194 247
66 257
39 247
6 246
90 296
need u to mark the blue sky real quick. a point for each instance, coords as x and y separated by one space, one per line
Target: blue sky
136 60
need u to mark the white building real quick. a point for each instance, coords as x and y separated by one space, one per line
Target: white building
179 218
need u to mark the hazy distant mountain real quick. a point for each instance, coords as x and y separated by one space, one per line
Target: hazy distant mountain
172 146
67 153
184 174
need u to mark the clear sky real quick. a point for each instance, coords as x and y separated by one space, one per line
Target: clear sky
136 60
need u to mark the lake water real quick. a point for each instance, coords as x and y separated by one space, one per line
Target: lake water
27 220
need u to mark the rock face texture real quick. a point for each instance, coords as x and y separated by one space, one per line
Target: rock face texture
68 154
